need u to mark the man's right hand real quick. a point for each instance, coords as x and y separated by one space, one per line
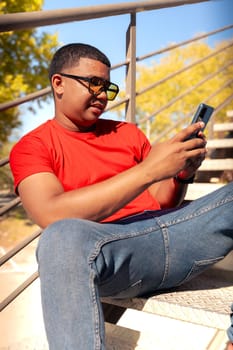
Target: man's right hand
168 158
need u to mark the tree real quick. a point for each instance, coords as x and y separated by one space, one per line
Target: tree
6 178
24 56
150 102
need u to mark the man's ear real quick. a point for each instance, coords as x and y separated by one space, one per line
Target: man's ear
57 84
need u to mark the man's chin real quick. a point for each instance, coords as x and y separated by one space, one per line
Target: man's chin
88 125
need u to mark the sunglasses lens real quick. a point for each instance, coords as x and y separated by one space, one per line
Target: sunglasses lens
98 85
95 85
112 91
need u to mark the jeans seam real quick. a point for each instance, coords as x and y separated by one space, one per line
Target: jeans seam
99 244
200 212
96 313
164 230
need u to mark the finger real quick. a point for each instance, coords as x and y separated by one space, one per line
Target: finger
196 153
194 143
195 164
201 135
189 131
191 166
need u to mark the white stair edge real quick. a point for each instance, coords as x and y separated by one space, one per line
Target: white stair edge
197 190
223 127
217 164
230 114
220 143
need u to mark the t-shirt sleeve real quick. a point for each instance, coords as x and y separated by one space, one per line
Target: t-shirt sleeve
29 156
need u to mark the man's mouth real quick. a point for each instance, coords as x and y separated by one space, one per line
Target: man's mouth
98 107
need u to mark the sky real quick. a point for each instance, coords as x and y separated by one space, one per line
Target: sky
155 30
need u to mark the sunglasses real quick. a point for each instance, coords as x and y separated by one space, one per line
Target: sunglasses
96 85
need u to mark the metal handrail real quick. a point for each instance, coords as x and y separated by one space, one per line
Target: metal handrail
29 280
12 252
185 42
29 97
187 117
191 65
12 204
185 93
217 109
18 290
130 107
4 161
34 19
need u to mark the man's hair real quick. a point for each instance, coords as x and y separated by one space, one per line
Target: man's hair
69 55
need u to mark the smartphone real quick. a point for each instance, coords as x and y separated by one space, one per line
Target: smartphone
203 113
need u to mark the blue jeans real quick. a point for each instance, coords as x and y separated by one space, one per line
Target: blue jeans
230 330
81 261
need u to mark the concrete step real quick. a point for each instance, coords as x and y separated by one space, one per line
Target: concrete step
147 332
220 143
197 190
230 114
204 301
138 330
217 164
223 127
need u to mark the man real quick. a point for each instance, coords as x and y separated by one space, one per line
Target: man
105 199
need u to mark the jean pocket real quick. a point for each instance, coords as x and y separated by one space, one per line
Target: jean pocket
198 267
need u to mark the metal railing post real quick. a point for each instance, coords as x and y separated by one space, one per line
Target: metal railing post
130 108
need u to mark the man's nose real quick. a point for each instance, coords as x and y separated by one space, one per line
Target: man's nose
102 94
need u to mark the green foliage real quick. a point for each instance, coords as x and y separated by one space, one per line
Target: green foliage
6 179
150 102
24 56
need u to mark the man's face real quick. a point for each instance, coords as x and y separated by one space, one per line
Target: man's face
76 107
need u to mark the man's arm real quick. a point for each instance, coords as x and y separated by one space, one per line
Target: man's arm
44 199
169 193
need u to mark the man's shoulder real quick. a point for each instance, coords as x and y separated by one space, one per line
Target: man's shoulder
39 132
32 138
42 128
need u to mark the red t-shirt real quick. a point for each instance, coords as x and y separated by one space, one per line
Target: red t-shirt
81 159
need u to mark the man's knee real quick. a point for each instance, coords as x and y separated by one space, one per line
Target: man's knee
64 238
